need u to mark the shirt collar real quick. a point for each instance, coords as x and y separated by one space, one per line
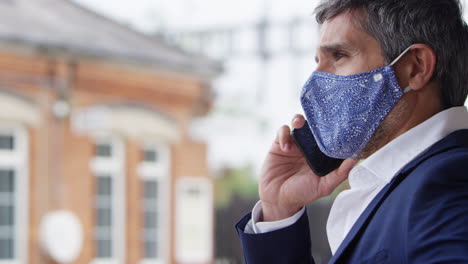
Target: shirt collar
390 159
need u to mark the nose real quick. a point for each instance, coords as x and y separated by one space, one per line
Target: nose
324 67
320 67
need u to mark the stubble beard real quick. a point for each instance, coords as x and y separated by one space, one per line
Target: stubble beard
387 129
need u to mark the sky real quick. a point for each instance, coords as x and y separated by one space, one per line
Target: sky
186 14
239 144
233 141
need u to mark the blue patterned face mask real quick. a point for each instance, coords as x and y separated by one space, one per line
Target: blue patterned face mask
343 112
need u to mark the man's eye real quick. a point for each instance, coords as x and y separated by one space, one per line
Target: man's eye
338 55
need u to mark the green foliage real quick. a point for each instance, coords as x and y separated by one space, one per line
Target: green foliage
342 187
240 181
233 181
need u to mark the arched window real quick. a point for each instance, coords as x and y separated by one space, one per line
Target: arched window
133 123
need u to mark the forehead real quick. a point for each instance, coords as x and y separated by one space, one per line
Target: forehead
344 30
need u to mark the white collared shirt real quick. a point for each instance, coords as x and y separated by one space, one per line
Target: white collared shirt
369 177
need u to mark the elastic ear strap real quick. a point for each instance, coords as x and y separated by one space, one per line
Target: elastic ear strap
407 89
401 55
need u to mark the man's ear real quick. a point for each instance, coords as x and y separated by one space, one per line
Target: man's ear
420 66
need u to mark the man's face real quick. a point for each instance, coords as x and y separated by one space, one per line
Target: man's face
344 49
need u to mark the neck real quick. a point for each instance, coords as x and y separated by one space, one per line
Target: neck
413 109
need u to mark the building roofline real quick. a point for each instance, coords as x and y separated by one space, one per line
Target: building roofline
140 49
203 71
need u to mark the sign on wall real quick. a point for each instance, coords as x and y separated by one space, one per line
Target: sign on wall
194 220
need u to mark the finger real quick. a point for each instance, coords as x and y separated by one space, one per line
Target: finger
332 180
284 138
346 167
298 121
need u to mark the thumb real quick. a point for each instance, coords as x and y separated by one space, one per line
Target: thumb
336 177
346 167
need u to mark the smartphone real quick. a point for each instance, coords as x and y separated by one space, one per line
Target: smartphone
320 163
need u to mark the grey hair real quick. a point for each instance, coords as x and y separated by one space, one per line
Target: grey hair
397 24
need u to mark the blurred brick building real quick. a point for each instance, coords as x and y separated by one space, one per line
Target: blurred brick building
94 123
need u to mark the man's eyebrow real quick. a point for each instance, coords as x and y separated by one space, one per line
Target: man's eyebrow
333 47
336 46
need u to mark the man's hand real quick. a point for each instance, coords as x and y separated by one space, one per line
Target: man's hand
287 183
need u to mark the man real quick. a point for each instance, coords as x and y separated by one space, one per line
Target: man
408 201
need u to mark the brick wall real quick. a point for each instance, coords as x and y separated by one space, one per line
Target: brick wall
60 175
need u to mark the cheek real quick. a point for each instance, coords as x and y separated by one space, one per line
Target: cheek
358 64
396 117
351 67
402 78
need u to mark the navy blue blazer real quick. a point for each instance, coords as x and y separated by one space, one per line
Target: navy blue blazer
421 216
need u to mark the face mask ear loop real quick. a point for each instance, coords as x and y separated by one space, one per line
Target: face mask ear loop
401 55
407 89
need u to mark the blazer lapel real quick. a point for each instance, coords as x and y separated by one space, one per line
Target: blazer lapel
454 140
362 221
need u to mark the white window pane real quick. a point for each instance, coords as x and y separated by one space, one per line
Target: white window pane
150 214
103 233
7 212
150 234
13 181
104 248
104 217
151 220
150 205
104 186
103 202
6 249
151 155
150 190
103 150
6 232
7 215
103 212
7 142
151 250
7 181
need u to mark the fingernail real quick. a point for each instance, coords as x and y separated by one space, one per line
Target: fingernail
287 147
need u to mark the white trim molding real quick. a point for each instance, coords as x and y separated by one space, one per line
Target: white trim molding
18 110
194 220
129 121
113 166
17 160
158 171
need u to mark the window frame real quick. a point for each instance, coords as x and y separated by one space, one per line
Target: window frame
18 161
159 171
114 167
